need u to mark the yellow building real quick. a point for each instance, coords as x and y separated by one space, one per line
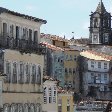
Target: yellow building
65 102
71 69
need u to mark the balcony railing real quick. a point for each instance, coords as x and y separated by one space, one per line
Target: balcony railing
23 45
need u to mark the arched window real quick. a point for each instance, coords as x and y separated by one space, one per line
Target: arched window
14 76
36 36
38 107
11 30
30 35
27 73
26 108
39 75
33 74
32 108
17 32
13 108
20 108
8 71
4 29
6 108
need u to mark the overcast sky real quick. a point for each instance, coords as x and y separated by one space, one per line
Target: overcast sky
63 16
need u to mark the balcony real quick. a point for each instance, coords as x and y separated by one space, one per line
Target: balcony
22 45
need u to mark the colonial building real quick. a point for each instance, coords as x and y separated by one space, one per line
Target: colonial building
100 26
55 62
65 101
71 69
22 60
96 74
50 95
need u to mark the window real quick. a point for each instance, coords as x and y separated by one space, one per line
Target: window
92 64
11 30
75 57
105 77
30 35
99 64
50 92
54 99
8 71
39 75
4 29
105 65
27 73
45 99
21 79
17 32
66 57
70 57
14 68
105 88
98 77
66 71
74 70
14 77
50 100
95 39
54 93
68 108
70 70
92 78
59 108
35 36
106 39
33 73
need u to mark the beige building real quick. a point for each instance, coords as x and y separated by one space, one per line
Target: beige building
22 60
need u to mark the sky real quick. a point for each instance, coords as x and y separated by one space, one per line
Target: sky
63 16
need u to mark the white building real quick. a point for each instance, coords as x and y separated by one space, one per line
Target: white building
50 96
96 74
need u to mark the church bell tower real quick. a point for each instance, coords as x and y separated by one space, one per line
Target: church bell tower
100 26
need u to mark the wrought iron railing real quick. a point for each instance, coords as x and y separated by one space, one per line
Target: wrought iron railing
22 45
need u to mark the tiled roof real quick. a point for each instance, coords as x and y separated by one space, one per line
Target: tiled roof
53 37
64 91
50 46
70 49
79 41
50 78
96 55
4 10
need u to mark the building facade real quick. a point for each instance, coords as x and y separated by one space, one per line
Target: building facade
55 62
96 74
50 96
65 102
100 26
22 60
71 69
